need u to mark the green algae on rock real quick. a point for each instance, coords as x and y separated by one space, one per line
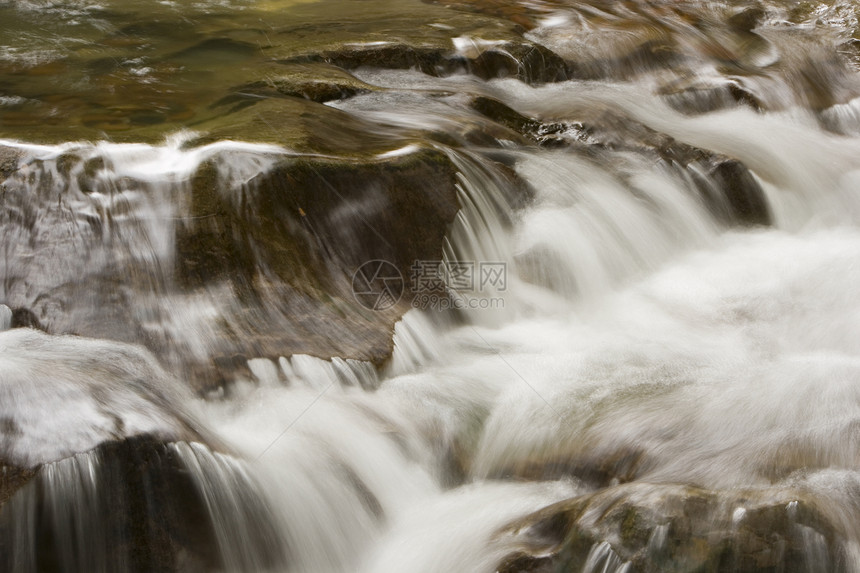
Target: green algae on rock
128 74
673 528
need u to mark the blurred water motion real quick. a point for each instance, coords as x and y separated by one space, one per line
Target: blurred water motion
640 352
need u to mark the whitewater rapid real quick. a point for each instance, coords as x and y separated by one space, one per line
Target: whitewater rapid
639 338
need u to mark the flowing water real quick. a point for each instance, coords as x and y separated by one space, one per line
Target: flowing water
640 337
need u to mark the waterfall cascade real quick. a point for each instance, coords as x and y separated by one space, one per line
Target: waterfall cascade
640 355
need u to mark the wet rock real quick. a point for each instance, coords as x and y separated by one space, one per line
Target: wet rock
290 244
96 470
9 157
544 134
726 186
597 468
17 318
297 124
486 59
745 200
435 40
746 19
24 318
255 264
678 528
655 54
388 55
276 248
704 97
95 391
12 478
728 189
531 63
139 505
319 83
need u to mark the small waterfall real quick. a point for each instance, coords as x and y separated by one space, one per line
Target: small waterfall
471 518
244 526
481 231
590 229
643 351
602 559
415 343
317 374
319 455
807 174
140 506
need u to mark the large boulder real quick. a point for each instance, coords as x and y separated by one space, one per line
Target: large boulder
290 242
268 238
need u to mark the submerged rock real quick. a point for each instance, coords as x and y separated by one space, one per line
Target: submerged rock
726 186
435 40
659 528
316 82
128 91
294 123
705 96
63 395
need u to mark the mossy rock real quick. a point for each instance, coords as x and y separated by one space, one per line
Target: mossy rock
290 240
296 206
520 59
155 75
315 82
416 35
674 528
297 124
